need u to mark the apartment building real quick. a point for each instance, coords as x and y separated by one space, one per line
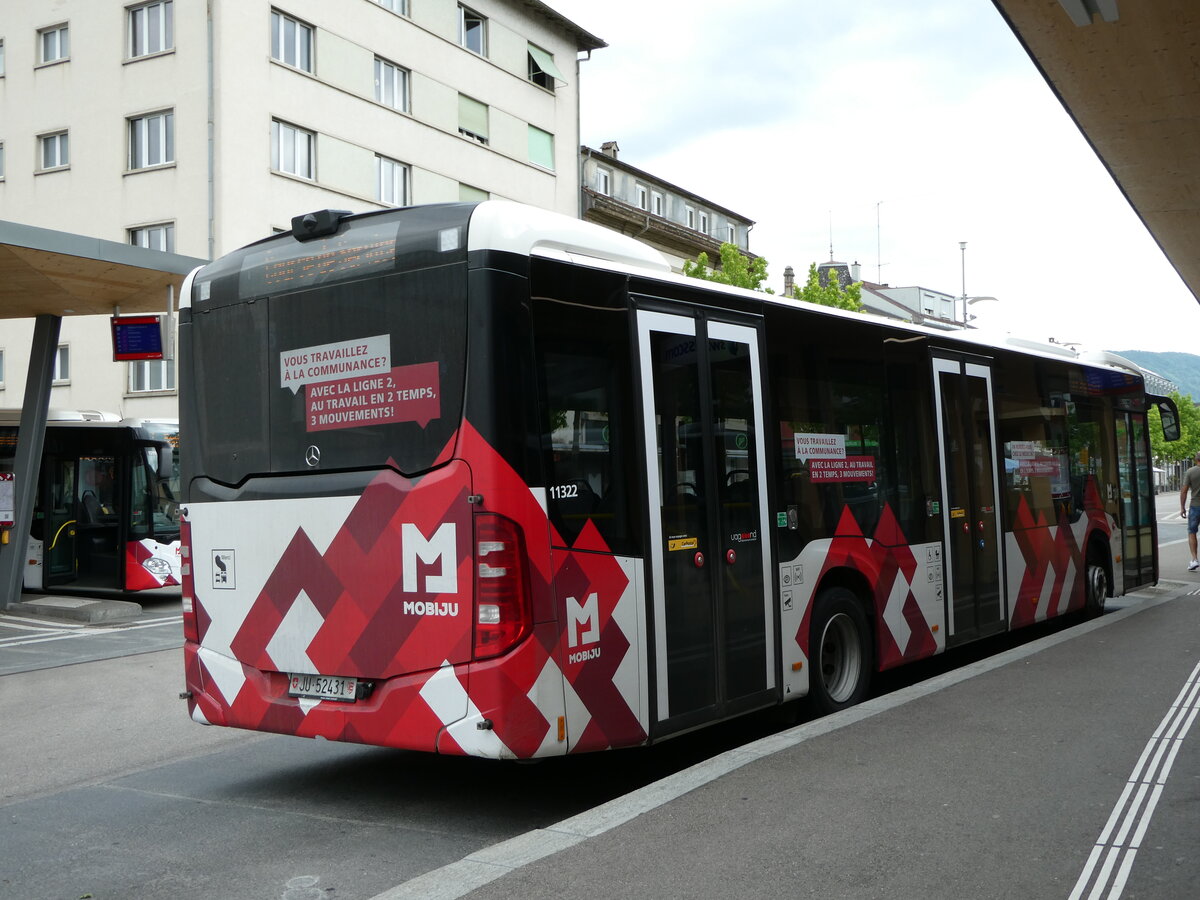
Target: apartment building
677 222
197 127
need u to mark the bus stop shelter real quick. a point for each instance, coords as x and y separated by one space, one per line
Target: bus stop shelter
45 275
1125 71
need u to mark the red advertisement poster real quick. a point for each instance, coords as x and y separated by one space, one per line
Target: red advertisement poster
402 394
849 468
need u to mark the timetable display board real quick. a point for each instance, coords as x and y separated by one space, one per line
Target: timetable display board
136 338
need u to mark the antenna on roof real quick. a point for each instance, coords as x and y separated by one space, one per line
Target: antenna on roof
831 235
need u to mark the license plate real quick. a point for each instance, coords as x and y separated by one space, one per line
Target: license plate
323 687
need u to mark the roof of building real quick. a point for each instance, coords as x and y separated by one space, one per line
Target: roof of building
584 39
617 163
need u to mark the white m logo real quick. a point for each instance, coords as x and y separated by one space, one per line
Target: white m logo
583 614
441 546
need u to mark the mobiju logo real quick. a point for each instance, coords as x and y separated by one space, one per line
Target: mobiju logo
583 627
440 550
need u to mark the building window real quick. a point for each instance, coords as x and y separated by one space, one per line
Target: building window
152 140
472 119
1 160
154 237
541 148
731 234
542 70
53 44
292 150
151 375
643 197
1 58
291 41
468 194
472 31
391 85
397 6
151 28
604 182
704 222
691 217
62 364
391 181
1 368
54 151
657 204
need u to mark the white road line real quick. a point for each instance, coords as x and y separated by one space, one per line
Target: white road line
22 641
1146 783
40 624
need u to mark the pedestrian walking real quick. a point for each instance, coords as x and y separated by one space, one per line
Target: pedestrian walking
1191 510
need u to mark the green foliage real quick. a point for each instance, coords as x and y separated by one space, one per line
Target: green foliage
736 269
1189 432
832 294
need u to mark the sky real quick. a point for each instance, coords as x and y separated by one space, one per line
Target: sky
897 129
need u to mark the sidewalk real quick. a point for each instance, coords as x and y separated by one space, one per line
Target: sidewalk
995 780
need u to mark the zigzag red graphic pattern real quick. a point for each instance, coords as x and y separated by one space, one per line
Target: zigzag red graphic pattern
346 606
884 561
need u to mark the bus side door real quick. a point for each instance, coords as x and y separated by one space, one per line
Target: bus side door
709 547
975 598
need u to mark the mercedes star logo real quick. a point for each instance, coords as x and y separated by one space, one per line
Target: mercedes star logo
312 455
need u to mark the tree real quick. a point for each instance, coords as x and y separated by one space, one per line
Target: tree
736 269
832 293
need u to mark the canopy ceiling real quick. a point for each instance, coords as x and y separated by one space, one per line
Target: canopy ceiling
53 272
1128 72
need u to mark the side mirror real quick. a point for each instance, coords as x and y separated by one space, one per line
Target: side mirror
1169 415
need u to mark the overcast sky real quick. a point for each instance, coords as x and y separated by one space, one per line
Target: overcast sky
911 125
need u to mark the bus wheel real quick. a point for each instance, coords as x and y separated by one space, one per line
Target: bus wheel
1095 586
840 649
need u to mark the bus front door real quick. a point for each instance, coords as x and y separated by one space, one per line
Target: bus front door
975 603
59 524
709 550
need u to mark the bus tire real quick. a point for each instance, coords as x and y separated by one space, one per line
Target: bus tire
1095 585
840 650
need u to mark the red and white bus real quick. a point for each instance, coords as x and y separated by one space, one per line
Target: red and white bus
481 479
106 511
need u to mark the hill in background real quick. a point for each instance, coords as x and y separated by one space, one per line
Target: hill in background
1181 368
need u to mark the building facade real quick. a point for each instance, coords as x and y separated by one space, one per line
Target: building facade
676 222
200 127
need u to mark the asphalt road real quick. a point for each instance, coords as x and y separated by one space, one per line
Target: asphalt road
110 791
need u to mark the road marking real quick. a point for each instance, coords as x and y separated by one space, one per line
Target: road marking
22 640
1139 799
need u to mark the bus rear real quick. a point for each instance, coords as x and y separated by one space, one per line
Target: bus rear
358 556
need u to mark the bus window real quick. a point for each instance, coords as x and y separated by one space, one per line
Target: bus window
830 397
1034 467
587 412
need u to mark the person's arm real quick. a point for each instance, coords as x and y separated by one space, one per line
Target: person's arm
1183 498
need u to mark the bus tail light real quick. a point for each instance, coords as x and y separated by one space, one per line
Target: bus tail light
502 606
191 631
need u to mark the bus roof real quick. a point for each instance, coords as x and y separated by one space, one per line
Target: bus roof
507 226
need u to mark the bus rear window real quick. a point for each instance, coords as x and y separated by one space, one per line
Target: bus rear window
354 375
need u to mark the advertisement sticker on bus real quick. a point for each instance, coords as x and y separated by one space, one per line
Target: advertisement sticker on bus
820 446
351 383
